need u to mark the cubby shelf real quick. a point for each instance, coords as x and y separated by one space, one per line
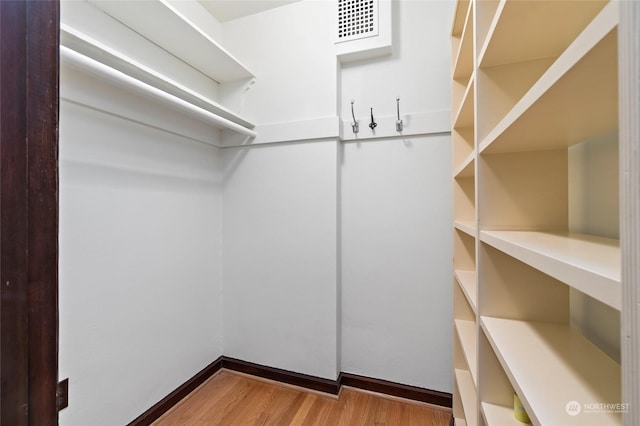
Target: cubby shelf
467 333
467 282
525 30
467 227
464 116
467 168
462 8
468 396
175 33
551 365
463 64
576 98
498 415
588 263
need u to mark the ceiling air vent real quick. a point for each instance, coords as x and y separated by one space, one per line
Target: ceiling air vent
357 19
363 29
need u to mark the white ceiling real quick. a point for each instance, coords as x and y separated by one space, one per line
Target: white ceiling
226 10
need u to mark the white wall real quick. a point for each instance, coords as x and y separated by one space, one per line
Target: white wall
396 208
140 255
396 264
132 266
401 264
280 249
418 70
280 256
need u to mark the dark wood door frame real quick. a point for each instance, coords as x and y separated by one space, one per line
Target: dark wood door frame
29 99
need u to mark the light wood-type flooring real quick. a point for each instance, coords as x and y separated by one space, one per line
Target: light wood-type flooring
230 398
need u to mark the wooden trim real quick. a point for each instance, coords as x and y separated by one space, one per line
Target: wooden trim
282 384
29 226
327 386
164 405
13 220
277 374
415 393
43 29
629 78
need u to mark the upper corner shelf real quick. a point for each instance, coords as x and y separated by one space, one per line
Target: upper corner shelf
161 23
525 30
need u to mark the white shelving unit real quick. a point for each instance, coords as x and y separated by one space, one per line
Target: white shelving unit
87 46
532 83
153 50
175 33
465 408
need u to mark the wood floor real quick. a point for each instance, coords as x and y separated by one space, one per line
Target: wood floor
230 398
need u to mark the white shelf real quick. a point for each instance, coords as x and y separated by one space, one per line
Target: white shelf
574 100
467 281
587 263
463 64
468 396
464 115
550 365
91 48
524 30
164 25
498 415
460 422
467 333
466 227
467 168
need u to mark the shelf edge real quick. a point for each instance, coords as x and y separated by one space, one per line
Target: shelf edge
571 274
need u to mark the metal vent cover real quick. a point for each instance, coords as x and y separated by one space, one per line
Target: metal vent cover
357 19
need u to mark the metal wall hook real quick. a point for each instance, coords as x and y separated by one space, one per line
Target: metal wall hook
355 126
399 124
373 124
